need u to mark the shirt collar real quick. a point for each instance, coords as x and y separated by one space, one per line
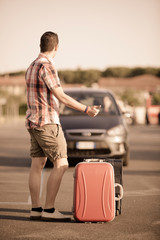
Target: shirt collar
42 55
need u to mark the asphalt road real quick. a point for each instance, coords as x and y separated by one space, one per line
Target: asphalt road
140 217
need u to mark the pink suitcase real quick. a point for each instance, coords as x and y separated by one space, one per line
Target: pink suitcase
94 192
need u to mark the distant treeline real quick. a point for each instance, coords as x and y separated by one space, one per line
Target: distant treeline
125 72
92 75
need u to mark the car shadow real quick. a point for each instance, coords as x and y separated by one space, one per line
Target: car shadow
142 155
15 161
141 172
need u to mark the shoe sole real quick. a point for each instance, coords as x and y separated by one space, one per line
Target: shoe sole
55 219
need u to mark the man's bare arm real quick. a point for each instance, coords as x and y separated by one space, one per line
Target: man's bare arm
92 111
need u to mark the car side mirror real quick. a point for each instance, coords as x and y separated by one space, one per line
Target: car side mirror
126 114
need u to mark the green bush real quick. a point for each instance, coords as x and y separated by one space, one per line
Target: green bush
117 72
124 72
130 97
86 77
156 99
22 109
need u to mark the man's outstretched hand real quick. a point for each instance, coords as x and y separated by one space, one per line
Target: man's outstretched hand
93 110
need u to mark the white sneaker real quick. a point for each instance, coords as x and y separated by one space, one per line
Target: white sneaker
56 216
35 215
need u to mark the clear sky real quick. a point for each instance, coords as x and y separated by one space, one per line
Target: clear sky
93 33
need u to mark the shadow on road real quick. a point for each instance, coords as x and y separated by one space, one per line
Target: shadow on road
141 173
18 218
14 210
141 155
23 218
13 217
15 162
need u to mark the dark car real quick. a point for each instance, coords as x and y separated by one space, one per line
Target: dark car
104 136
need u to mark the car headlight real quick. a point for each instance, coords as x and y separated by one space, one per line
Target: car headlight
116 131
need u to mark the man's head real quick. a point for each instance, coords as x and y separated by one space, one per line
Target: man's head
48 42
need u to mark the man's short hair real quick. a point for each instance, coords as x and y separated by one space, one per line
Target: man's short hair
48 41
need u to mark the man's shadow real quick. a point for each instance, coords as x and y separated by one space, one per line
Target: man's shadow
21 218
14 217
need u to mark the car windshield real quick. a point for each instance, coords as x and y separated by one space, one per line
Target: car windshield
108 106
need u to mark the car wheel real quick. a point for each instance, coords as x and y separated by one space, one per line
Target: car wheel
49 164
126 158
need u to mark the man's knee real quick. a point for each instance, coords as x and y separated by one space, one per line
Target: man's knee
61 164
64 167
38 162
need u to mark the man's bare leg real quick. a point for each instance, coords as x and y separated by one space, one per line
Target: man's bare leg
54 181
37 165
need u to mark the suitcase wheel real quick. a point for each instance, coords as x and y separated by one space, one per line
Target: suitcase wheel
118 212
118 206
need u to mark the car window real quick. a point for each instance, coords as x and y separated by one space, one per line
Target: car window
108 106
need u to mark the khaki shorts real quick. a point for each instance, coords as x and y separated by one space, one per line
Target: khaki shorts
48 141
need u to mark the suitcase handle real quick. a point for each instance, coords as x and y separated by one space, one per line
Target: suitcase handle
121 191
93 160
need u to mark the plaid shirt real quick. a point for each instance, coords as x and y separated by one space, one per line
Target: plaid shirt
43 107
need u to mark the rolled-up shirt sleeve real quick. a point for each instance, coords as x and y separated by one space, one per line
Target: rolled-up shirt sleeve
50 76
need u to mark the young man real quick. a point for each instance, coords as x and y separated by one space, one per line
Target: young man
42 121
